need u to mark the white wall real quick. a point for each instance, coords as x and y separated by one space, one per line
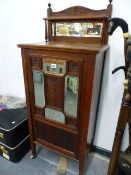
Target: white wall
21 22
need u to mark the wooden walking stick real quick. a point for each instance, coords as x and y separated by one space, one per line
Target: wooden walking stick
126 101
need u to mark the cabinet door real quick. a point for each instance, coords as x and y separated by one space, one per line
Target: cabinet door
56 89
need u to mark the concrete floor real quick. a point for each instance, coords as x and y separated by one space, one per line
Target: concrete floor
46 164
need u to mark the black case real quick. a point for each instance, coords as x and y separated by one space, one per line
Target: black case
15 154
13 126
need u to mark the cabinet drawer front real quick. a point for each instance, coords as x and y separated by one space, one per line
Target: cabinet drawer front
58 137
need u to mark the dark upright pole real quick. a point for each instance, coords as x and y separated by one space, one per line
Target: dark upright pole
126 101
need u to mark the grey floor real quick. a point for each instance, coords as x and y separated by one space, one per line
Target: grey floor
46 164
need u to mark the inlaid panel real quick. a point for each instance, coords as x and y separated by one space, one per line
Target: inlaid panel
74 67
55 92
36 63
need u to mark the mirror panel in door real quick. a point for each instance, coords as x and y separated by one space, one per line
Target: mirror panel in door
55 115
38 81
71 95
52 66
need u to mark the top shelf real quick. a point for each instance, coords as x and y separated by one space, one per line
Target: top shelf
72 18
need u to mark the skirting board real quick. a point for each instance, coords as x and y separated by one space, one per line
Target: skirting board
101 151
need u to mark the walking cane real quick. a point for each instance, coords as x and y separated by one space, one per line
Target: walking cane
126 101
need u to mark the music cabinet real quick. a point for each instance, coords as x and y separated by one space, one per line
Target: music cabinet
63 80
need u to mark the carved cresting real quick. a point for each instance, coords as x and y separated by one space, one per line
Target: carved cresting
77 11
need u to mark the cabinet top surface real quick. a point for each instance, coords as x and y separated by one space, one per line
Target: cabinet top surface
79 47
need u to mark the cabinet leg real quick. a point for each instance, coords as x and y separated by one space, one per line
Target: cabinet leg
33 150
81 166
32 156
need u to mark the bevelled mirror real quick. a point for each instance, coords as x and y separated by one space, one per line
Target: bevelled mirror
71 95
55 115
77 29
38 81
52 66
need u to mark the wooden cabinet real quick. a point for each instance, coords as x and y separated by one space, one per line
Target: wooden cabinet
63 79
